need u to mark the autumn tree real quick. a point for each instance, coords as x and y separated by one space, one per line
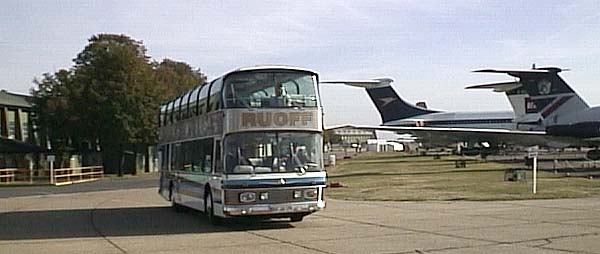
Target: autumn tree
111 97
53 109
176 77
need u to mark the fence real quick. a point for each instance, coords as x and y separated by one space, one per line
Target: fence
7 175
63 176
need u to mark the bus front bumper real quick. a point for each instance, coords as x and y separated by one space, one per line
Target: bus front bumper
273 209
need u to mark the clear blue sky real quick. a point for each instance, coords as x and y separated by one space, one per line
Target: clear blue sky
429 47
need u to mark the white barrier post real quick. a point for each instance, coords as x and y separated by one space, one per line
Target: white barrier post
30 171
51 161
534 174
532 153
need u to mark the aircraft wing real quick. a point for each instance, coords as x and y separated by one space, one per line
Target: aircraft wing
521 73
368 83
497 86
446 136
419 129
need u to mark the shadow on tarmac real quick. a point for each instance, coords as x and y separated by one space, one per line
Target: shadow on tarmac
108 222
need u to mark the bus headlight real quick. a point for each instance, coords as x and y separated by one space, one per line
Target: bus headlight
297 194
311 193
264 196
247 197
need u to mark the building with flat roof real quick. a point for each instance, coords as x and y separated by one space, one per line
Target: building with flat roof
17 136
349 135
15 117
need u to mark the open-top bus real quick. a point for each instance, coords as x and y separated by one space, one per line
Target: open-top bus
248 143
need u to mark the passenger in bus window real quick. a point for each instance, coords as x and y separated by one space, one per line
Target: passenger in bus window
301 157
207 163
281 98
305 158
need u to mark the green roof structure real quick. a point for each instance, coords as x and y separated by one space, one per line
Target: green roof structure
15 100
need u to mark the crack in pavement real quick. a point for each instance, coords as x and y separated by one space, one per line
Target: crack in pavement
97 229
288 242
568 251
554 238
548 241
358 237
96 217
409 229
492 242
551 207
402 228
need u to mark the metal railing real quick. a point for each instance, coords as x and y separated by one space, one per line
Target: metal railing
63 176
7 175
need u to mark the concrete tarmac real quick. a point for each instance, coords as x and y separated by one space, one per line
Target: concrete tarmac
140 221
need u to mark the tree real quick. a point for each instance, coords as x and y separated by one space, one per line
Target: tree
110 96
113 96
176 77
53 117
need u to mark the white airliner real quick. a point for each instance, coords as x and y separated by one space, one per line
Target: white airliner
546 111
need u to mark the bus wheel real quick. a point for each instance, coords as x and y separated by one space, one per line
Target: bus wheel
209 209
296 218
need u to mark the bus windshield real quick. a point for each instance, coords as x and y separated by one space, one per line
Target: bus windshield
281 89
272 152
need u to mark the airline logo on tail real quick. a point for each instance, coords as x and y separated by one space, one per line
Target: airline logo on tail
544 86
547 104
545 100
530 106
386 100
390 106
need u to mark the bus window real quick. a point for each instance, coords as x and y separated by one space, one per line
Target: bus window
218 162
270 89
270 152
186 156
214 99
163 152
176 109
193 104
207 153
162 116
194 156
177 157
170 112
184 105
203 98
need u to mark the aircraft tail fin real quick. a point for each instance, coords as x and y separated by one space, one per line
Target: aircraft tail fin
546 92
526 115
390 106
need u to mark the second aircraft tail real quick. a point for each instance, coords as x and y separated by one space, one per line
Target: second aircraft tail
390 106
540 91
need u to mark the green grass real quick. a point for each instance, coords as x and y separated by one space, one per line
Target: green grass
405 178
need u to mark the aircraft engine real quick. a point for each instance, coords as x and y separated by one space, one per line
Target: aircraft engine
470 151
593 154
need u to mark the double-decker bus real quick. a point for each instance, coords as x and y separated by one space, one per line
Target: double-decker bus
248 143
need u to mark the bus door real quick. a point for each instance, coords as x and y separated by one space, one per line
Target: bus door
217 175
